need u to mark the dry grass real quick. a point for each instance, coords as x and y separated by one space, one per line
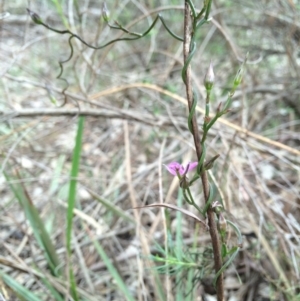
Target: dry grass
133 97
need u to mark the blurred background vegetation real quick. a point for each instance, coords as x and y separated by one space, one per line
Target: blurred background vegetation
133 100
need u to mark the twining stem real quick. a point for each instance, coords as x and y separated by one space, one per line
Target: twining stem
196 136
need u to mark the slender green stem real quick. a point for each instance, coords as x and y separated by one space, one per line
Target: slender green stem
187 198
183 75
208 10
194 179
207 107
200 13
169 30
189 43
193 202
191 4
201 22
210 124
118 26
188 60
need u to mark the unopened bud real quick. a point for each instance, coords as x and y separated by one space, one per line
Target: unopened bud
217 207
222 224
210 163
238 78
105 12
226 111
209 78
184 182
35 17
207 119
219 108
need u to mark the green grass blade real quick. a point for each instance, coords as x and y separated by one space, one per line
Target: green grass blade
18 289
60 11
111 207
179 246
37 225
72 199
114 273
54 293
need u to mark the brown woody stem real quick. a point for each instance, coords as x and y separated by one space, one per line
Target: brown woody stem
197 141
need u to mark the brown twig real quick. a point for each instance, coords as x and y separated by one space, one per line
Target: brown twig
143 119
204 178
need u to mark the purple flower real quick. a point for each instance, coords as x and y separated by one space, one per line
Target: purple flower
175 167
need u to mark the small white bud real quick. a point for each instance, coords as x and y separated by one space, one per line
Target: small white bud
209 78
105 12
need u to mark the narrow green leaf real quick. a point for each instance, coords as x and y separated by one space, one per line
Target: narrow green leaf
54 293
179 246
114 273
59 9
19 289
224 250
114 209
37 225
72 199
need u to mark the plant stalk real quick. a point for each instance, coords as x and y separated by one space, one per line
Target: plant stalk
197 141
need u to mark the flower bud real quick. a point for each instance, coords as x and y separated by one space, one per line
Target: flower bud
209 78
219 108
209 164
207 119
35 17
222 224
238 78
184 182
105 12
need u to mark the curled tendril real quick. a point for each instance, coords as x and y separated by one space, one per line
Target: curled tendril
135 36
183 75
196 24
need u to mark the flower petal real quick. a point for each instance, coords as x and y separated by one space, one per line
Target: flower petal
192 165
173 167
